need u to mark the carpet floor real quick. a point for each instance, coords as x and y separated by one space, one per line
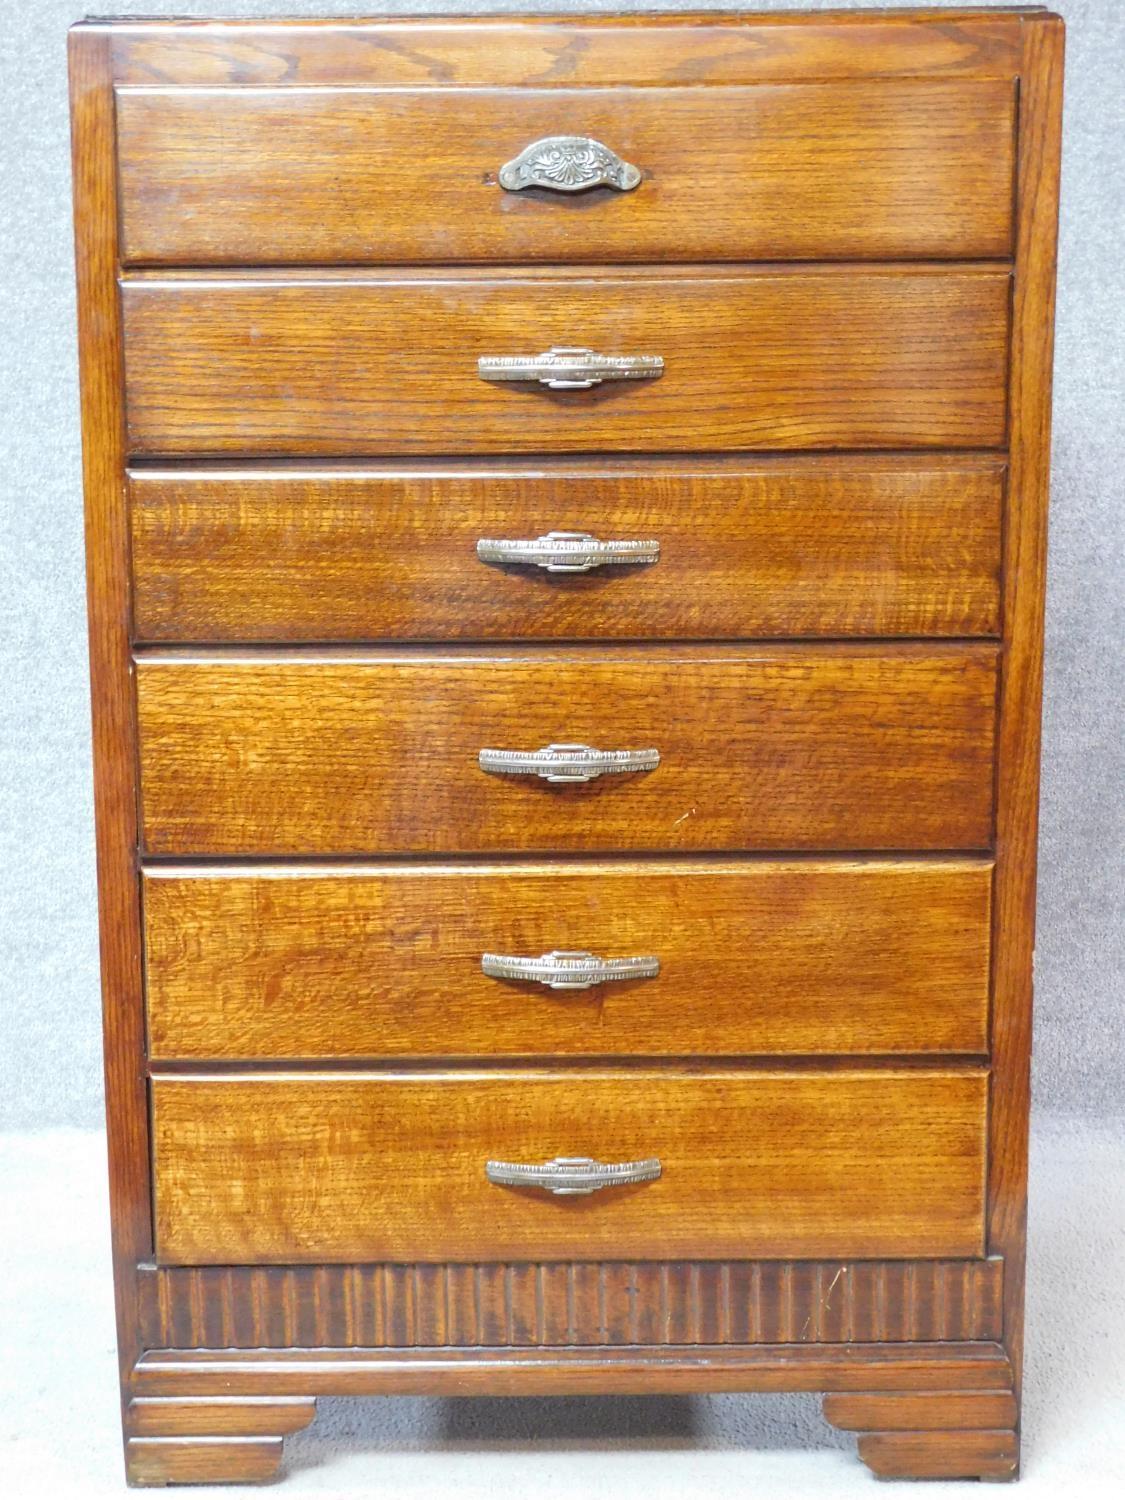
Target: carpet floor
59 1436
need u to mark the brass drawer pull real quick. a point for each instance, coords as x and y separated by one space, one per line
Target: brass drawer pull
567 552
568 164
563 368
571 1176
566 763
568 969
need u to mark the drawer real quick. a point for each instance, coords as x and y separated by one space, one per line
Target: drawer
825 546
786 358
783 957
789 747
386 1167
870 168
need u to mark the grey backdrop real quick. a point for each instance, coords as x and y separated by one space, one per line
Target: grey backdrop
50 1072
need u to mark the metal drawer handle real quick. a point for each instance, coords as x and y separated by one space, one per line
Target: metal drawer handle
563 368
568 968
568 164
571 1176
567 552
566 763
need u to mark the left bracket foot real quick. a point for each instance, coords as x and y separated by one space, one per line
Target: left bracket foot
201 1440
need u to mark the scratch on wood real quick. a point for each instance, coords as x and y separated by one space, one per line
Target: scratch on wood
843 1271
826 1300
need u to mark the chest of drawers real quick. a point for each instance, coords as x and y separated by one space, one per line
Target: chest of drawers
566 520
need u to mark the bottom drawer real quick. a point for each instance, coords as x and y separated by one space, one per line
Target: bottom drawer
764 1164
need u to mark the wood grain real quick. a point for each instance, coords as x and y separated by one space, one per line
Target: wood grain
789 957
391 1166
111 686
196 1416
914 1411
801 546
1025 556
941 1455
202 1460
553 1304
277 176
780 748
812 747
637 1370
937 1434
569 51
781 359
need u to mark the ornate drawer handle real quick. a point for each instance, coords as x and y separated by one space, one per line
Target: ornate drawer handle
568 164
565 763
562 368
567 552
568 968
571 1176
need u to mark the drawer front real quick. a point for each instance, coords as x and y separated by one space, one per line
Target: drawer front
784 748
782 359
355 1167
803 547
785 957
873 168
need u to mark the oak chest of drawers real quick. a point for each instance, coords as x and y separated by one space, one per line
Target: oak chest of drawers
566 518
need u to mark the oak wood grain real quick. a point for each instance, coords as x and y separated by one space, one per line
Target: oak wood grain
158 1461
1025 556
865 170
825 747
111 687
569 51
915 1411
548 1304
793 957
897 742
197 1416
827 546
781 359
944 1433
941 1455
352 1167
638 1370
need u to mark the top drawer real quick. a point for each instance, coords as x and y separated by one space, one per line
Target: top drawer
859 169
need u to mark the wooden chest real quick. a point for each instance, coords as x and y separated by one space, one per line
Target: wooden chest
566 522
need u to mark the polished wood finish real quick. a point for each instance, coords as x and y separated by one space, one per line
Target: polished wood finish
159 1461
197 1416
1021 685
958 1432
787 358
199 1440
570 51
111 686
941 1455
874 169
779 748
827 546
352 1167
551 1304
914 1411
786 957
234 379
635 1371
